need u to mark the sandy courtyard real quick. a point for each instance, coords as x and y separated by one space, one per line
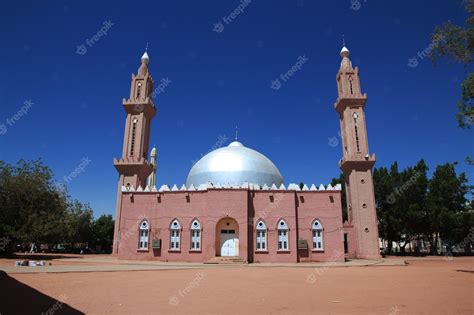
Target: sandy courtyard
428 286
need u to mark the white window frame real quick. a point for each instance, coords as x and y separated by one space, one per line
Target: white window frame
195 244
317 236
261 236
175 235
283 243
143 235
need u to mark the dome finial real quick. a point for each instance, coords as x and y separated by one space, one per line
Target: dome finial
236 133
344 51
145 58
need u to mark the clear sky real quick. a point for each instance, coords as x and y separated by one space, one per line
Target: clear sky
220 80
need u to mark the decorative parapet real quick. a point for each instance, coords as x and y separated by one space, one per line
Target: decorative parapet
248 186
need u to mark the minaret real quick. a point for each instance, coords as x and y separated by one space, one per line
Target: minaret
356 163
133 167
152 177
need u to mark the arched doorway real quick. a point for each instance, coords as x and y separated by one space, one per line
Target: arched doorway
227 238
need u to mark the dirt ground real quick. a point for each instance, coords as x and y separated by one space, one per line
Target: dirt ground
425 286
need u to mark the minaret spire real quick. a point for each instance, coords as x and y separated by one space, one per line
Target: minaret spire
356 163
133 166
346 64
236 133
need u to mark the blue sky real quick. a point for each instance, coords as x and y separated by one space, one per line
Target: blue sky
220 80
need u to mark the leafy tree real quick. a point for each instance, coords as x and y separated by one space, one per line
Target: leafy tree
411 202
31 207
103 232
78 223
457 43
446 200
463 229
386 181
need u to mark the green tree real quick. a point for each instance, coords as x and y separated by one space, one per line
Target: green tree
103 231
31 206
386 183
33 209
78 223
411 202
457 43
445 201
400 199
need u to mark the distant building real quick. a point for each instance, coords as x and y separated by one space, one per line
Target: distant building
235 203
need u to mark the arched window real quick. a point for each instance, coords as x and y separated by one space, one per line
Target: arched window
143 232
350 85
356 131
317 229
195 235
139 90
175 235
282 235
134 134
261 230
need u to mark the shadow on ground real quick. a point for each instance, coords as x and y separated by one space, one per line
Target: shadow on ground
42 256
18 298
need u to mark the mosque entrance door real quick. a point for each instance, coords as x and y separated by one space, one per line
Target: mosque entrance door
228 243
227 237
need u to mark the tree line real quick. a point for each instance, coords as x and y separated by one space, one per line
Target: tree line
412 207
35 209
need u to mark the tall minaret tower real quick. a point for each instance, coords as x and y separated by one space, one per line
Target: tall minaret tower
133 167
356 163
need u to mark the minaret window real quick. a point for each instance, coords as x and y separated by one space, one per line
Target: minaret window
139 90
356 129
350 85
134 133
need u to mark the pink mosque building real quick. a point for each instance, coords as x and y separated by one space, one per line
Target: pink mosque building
235 205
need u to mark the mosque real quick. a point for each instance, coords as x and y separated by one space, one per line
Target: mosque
235 205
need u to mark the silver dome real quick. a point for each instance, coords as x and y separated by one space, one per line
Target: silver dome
234 165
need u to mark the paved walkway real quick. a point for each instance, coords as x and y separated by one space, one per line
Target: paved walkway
109 263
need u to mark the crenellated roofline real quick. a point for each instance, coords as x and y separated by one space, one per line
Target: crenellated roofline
245 186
